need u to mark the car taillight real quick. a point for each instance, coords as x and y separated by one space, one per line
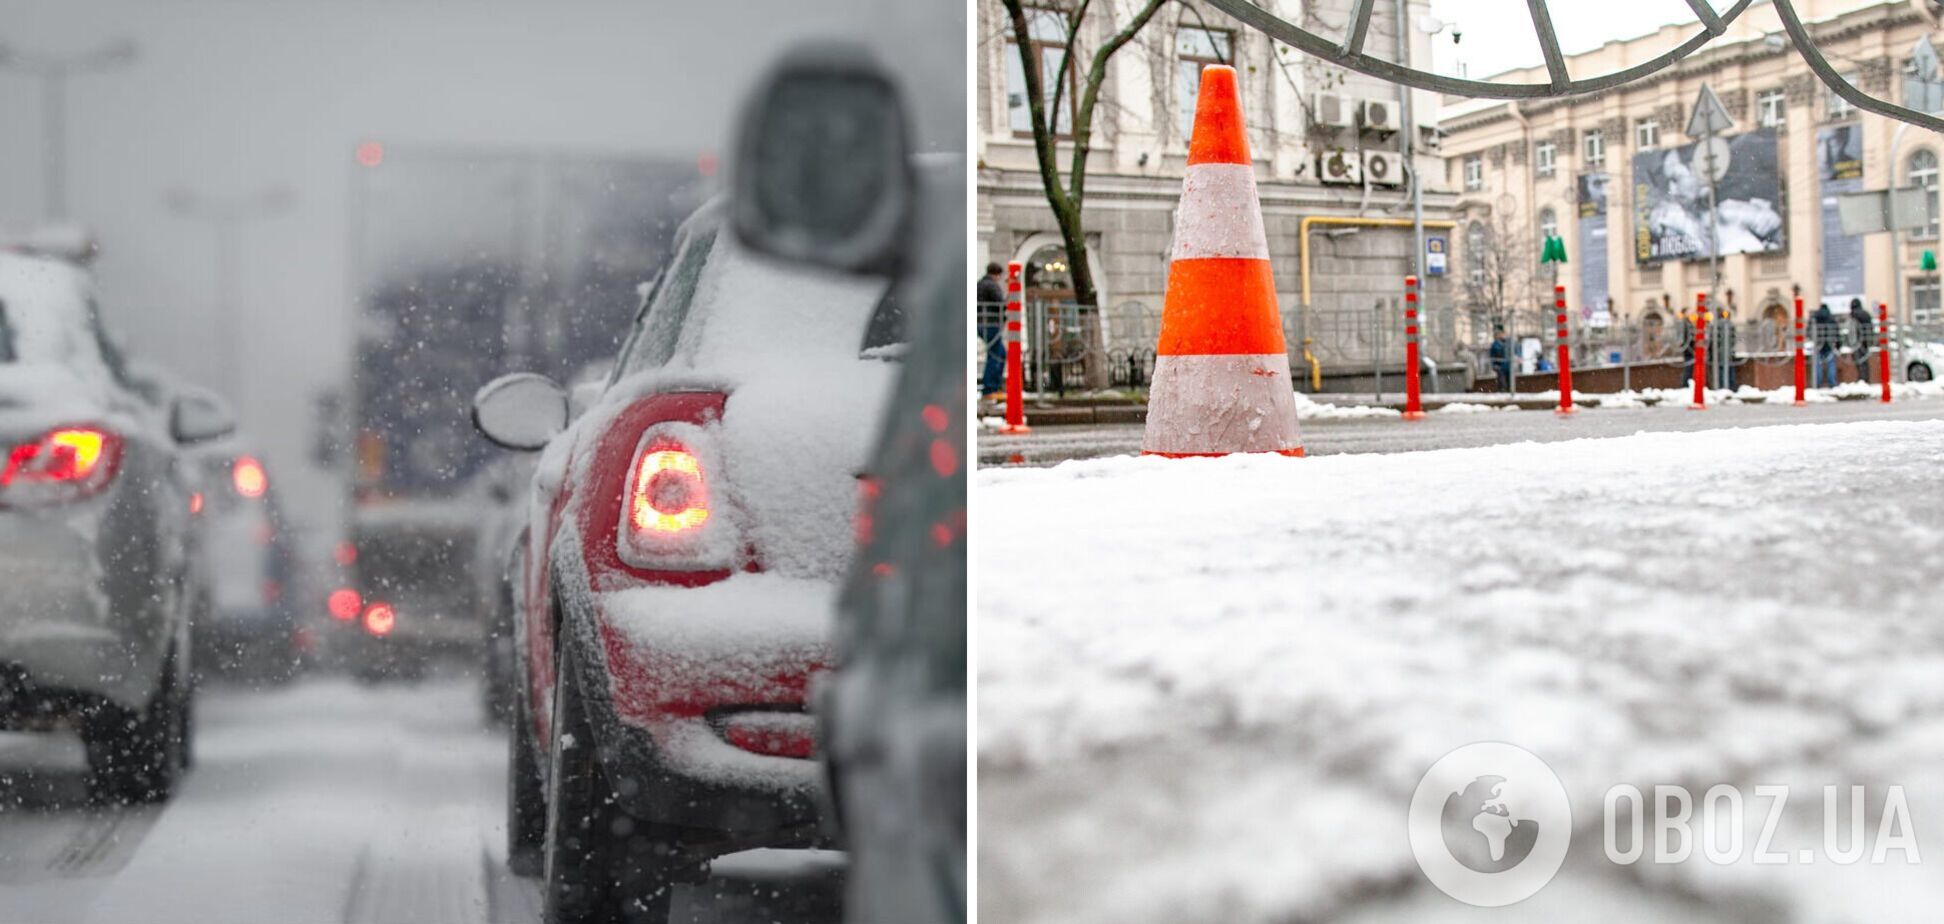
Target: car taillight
667 493
64 464
344 604
247 476
379 618
672 512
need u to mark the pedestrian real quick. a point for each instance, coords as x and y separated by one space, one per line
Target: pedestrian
1501 355
1826 333
1723 342
1687 341
1864 328
991 298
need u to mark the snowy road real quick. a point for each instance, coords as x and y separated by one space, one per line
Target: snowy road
1322 437
1207 688
323 801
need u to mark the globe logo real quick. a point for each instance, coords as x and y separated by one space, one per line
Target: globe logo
1490 824
1481 830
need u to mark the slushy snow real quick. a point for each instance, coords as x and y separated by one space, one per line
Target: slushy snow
1207 687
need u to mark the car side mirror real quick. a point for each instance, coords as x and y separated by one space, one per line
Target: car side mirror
520 411
198 416
822 170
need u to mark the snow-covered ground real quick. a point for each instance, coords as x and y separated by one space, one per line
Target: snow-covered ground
323 801
1207 688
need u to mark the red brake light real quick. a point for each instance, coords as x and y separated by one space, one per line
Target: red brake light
248 476
63 464
345 554
379 619
668 493
344 604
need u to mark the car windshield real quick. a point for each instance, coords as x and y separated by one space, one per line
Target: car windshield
43 313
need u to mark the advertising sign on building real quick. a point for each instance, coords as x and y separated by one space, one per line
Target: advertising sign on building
1594 288
1434 255
1671 213
1839 168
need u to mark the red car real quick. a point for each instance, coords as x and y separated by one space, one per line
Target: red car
688 536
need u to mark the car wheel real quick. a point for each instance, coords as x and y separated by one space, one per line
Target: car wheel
599 864
1918 372
139 757
526 808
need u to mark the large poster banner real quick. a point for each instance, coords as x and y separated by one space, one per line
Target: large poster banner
1671 200
1594 289
1839 167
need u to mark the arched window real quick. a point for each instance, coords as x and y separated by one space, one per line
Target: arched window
1548 224
1475 244
1923 172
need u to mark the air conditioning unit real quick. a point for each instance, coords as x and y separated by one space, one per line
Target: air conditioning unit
1332 110
1385 168
1339 166
1378 115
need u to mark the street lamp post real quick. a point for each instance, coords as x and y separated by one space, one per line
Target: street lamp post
53 72
225 217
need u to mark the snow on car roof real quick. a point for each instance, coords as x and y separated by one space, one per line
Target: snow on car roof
45 302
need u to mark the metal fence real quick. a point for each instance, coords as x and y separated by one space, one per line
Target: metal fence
1070 347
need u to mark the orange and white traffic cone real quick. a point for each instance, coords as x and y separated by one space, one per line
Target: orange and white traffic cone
1221 371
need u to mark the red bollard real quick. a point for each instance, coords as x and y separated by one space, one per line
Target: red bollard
1800 383
1883 348
1565 354
1700 353
1413 400
1015 369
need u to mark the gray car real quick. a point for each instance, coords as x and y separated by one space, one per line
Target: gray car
95 536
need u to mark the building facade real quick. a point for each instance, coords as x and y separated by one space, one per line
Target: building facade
1325 142
1615 177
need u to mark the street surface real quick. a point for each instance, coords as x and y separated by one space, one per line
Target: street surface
1447 430
321 801
1207 688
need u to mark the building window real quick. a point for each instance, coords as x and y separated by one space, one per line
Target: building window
1647 134
1771 109
1923 172
1596 150
1543 155
1836 107
1196 48
1046 31
1548 224
1474 173
1924 307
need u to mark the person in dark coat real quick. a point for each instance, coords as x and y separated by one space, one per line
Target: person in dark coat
991 311
1826 333
1687 340
1501 356
1865 330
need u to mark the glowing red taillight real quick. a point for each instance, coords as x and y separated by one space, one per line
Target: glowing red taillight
344 604
668 492
379 618
248 477
63 464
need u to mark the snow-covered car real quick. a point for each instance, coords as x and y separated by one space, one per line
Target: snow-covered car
95 536
687 536
1923 360
891 711
246 619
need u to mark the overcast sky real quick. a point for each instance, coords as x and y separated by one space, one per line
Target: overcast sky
1497 34
228 97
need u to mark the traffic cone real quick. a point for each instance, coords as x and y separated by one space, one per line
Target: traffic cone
1221 371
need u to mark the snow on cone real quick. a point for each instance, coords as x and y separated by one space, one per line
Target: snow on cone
1221 371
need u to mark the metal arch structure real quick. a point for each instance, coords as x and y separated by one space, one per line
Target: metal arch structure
1348 52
